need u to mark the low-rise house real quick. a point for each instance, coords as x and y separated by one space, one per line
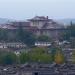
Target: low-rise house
42 44
12 45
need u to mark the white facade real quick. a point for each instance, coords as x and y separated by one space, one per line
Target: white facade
38 24
39 44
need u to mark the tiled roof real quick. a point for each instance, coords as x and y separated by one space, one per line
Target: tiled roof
48 24
40 18
24 24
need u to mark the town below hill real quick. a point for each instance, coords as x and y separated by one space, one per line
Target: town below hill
38 46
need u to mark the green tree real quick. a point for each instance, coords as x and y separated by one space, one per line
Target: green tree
24 57
39 50
8 58
29 38
25 36
20 33
44 38
3 35
69 33
40 55
41 58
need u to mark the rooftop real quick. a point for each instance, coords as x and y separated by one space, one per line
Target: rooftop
40 18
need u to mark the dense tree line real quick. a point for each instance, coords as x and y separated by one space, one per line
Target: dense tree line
18 35
36 55
44 38
21 35
70 32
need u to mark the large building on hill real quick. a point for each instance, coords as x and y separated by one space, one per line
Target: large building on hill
44 23
39 25
46 26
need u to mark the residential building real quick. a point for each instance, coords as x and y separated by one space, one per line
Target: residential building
39 25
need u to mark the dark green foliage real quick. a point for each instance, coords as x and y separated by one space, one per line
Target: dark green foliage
18 35
40 55
8 58
69 33
3 35
41 58
36 55
7 35
29 38
38 50
44 38
25 36
24 57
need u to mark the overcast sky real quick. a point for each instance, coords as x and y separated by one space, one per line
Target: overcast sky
23 9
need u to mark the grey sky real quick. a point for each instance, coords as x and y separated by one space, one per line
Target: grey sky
23 9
